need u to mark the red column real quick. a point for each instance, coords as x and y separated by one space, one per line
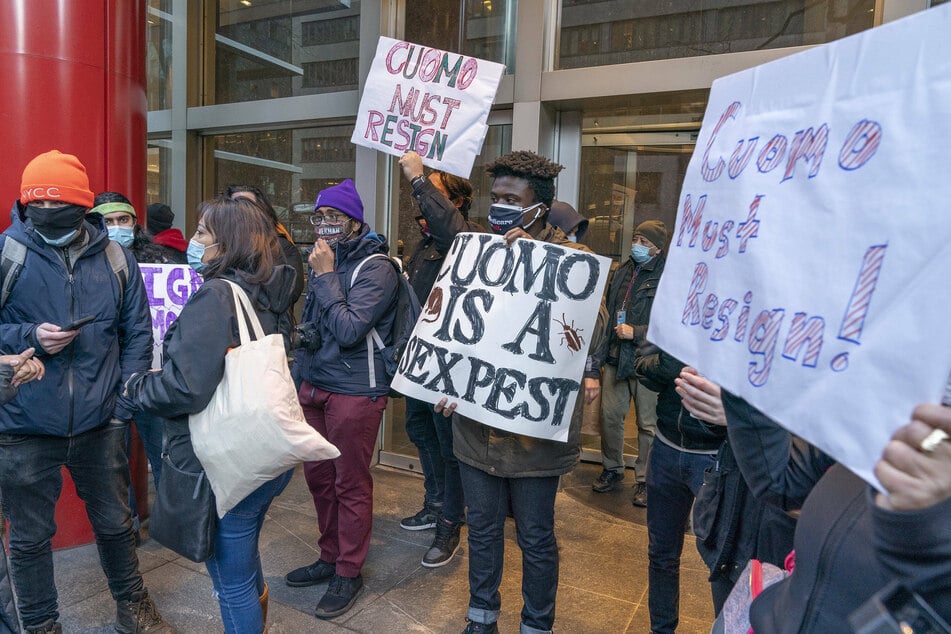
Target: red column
73 78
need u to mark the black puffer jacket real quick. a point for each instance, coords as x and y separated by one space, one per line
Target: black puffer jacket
195 348
443 221
621 352
847 548
657 370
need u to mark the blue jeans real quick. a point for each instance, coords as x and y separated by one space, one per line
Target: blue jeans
673 481
151 428
235 568
31 481
432 435
533 505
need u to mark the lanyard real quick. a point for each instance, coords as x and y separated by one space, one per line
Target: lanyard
637 269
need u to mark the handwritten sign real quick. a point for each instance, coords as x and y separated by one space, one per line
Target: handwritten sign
168 287
505 333
431 101
808 271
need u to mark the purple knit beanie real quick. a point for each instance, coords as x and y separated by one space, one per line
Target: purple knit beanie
342 197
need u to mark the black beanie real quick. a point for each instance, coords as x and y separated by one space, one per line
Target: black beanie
158 217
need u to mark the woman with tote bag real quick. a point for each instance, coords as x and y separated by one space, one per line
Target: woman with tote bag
234 242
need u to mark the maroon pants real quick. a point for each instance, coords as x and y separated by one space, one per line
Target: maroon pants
343 488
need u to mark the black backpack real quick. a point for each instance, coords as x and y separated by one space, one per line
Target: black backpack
407 312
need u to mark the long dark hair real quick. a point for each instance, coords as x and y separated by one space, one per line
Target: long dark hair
259 196
244 236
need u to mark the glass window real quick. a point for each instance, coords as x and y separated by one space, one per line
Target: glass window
159 54
479 28
289 166
600 32
158 187
265 49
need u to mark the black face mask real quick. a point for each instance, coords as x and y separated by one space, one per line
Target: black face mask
53 224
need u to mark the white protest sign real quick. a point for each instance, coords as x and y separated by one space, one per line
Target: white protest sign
808 271
505 333
168 287
431 101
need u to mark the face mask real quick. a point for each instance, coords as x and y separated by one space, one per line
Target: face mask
504 217
572 238
123 235
423 227
640 253
195 252
57 227
331 232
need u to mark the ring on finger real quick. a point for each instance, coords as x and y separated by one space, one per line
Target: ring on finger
930 442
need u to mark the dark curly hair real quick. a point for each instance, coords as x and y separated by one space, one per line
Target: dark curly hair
537 170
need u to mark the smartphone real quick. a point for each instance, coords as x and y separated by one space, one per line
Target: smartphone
79 323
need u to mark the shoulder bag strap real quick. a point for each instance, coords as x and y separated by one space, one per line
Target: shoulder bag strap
242 306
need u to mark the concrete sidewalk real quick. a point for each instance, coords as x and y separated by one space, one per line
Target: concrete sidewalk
603 585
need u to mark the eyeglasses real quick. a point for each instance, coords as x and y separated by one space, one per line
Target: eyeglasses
334 219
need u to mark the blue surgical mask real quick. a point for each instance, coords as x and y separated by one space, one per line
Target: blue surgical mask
504 217
640 253
195 252
61 241
123 235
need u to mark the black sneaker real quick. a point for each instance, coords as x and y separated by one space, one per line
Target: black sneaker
341 594
606 481
310 575
444 545
481 628
426 518
135 616
640 495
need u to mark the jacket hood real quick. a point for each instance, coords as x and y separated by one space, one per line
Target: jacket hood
276 294
361 246
171 238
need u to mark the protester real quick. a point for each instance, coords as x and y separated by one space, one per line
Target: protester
850 542
685 448
342 396
76 417
292 256
119 216
564 216
629 302
238 245
731 524
444 201
501 469
158 220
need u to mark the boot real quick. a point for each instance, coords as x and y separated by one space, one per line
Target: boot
263 600
140 616
48 626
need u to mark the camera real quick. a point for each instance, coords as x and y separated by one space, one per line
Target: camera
306 336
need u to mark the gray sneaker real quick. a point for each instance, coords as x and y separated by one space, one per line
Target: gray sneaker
133 617
445 545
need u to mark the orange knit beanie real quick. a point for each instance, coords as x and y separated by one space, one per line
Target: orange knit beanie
56 176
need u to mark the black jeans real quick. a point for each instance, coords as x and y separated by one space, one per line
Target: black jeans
31 480
432 435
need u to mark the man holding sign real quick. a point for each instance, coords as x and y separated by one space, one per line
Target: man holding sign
501 468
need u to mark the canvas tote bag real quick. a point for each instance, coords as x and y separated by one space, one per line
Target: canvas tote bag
253 429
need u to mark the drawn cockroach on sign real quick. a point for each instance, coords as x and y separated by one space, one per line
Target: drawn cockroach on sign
570 335
433 305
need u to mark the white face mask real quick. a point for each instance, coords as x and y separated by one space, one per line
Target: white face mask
572 238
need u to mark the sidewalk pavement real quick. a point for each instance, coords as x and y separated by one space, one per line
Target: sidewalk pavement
603 585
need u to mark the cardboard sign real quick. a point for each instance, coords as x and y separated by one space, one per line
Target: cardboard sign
168 287
505 333
431 101
808 271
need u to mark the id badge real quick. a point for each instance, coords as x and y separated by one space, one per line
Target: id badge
621 317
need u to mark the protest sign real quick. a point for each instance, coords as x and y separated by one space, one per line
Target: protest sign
808 271
505 333
168 287
431 101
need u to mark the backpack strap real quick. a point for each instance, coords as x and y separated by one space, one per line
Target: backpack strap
373 337
120 267
11 263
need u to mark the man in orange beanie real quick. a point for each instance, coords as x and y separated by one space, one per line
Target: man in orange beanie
78 299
